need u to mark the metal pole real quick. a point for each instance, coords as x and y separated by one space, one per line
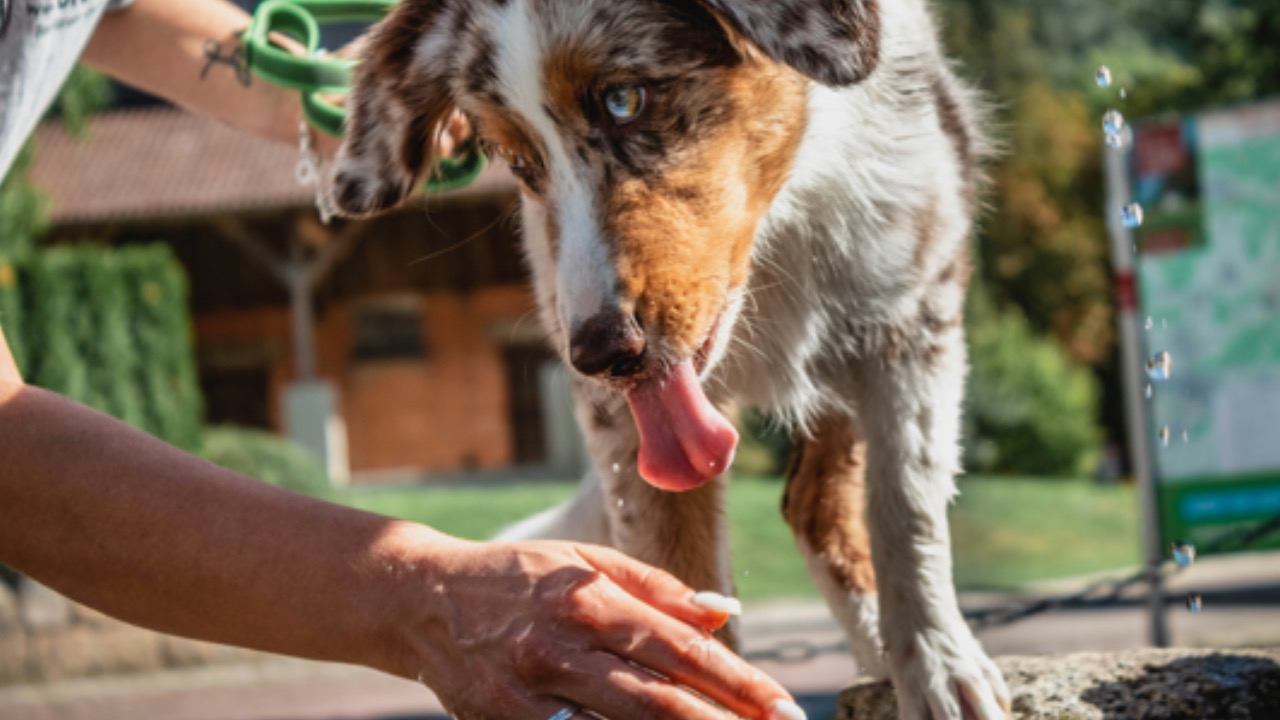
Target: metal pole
1133 375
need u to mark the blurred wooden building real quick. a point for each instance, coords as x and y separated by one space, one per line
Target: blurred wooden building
421 323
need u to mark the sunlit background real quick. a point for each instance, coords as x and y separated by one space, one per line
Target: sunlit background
172 272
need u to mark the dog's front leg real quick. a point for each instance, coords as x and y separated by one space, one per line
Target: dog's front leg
682 533
825 503
909 397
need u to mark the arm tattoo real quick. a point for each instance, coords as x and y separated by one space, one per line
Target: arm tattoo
234 56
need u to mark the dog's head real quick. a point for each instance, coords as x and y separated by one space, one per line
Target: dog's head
649 136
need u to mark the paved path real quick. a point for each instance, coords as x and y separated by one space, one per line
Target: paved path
1241 607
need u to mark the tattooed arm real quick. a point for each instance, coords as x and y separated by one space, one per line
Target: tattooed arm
189 52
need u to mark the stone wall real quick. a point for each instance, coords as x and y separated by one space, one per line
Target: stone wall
1135 685
46 637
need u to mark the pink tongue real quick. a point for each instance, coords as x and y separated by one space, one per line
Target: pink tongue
684 441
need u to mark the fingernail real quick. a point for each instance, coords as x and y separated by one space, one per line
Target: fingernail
718 603
787 710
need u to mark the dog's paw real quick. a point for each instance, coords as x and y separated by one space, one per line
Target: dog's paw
946 676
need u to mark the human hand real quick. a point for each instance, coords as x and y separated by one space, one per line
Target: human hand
523 631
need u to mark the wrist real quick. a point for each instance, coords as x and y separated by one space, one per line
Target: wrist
415 565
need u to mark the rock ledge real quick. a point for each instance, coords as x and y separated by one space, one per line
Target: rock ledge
1134 685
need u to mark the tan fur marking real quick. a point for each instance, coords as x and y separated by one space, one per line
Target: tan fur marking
825 502
685 241
926 234
566 77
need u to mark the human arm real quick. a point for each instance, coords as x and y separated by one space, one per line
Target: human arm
166 47
124 523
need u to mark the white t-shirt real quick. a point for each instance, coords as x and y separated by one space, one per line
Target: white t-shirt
40 42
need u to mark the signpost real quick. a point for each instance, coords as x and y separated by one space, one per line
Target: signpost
1200 280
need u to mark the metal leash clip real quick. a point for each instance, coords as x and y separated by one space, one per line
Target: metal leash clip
319 76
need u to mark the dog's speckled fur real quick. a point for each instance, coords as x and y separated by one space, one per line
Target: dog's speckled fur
792 210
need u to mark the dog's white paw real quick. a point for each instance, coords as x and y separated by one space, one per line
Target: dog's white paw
942 675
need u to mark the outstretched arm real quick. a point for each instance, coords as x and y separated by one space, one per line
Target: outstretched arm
189 52
120 521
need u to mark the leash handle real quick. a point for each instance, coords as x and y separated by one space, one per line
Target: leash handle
318 76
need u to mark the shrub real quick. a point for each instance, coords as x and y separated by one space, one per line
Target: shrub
1029 408
107 328
266 457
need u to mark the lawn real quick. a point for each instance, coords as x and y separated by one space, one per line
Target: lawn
1007 532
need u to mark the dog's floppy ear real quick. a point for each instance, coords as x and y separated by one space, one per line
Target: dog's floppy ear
396 109
836 42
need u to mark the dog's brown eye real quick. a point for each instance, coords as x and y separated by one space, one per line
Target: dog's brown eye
624 102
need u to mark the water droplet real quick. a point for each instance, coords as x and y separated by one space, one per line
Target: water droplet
1150 324
713 464
1115 141
1103 76
621 502
1132 215
1164 436
1149 392
1184 553
1112 122
1123 94
1186 437
617 468
1195 603
1160 366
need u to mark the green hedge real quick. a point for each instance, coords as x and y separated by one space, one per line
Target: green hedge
108 328
266 457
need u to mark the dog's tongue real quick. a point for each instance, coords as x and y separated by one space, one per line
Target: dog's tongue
684 440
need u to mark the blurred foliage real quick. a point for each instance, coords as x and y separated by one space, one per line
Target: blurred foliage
108 328
22 210
22 206
266 457
1044 244
1030 409
764 447
1043 248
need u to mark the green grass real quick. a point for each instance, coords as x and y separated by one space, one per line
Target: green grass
1007 532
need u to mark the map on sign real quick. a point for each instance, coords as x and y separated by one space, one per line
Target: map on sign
1209 295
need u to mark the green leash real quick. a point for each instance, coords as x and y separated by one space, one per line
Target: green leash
316 75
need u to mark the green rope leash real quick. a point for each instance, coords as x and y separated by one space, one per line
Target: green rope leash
316 75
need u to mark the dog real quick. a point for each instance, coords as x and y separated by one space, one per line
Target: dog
730 203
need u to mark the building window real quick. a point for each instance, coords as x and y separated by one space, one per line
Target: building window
389 329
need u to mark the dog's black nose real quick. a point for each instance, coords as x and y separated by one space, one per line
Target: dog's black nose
608 344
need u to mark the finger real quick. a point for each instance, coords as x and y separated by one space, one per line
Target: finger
640 633
657 588
618 690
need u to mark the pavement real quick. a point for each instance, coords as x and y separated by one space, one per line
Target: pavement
1241 601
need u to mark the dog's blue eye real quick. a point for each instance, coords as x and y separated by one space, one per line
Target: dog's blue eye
624 102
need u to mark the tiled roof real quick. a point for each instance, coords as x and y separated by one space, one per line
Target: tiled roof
161 162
